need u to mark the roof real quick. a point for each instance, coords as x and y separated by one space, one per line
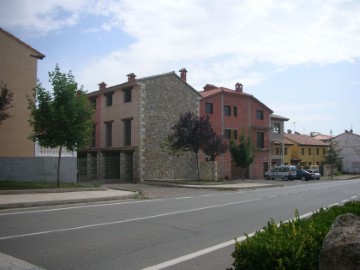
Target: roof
227 91
302 139
143 80
279 117
346 133
36 54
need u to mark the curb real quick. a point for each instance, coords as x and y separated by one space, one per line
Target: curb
51 190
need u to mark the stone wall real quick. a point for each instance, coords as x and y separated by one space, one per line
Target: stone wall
164 99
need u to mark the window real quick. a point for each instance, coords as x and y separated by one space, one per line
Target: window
108 99
260 140
277 151
324 152
93 102
286 151
277 128
127 131
227 133
303 151
309 151
235 134
317 151
235 110
208 108
127 94
260 114
108 134
227 110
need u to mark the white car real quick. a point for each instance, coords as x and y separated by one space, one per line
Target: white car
315 173
285 172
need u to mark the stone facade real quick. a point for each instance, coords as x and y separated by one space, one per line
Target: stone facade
156 104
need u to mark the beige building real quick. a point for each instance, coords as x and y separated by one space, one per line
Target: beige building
132 122
18 70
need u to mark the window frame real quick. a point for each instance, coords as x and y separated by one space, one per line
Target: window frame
108 99
227 110
260 140
259 114
127 131
209 108
108 133
127 94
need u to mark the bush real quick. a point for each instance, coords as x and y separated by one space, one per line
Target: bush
291 245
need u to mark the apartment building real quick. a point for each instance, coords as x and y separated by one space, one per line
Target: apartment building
132 122
231 112
303 150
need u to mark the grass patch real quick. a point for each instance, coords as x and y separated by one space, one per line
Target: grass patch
14 185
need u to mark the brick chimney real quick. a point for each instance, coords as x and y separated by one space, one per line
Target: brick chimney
131 77
183 74
209 87
238 87
102 86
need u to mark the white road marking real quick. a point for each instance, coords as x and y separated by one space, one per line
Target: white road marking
125 221
208 250
181 198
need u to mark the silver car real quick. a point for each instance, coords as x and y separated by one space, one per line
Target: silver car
315 173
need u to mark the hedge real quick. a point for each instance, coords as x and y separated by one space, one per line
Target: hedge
291 245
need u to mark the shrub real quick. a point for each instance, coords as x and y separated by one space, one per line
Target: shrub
291 245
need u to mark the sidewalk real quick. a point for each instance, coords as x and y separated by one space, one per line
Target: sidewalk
33 198
116 191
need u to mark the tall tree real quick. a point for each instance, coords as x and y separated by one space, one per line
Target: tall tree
61 118
333 155
243 154
214 147
6 102
191 133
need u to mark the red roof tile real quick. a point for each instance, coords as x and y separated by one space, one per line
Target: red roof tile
302 139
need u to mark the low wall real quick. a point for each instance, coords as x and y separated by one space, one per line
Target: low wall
38 169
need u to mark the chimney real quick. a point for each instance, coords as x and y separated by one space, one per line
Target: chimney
289 131
351 131
238 87
183 74
102 86
131 77
209 87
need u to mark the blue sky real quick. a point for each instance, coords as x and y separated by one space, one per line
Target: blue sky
300 58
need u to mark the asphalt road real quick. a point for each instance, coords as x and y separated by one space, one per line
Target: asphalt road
165 233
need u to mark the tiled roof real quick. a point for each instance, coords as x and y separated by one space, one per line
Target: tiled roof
274 116
223 90
37 54
302 139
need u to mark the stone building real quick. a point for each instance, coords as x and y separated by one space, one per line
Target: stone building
132 123
231 112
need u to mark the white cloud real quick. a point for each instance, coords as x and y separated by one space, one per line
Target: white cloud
215 40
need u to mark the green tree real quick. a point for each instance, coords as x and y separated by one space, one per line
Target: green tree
214 147
191 133
6 100
242 154
333 156
61 118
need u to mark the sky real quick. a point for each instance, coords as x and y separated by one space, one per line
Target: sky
300 58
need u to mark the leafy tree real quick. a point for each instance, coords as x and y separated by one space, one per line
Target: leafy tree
333 156
6 100
191 133
61 118
214 147
243 154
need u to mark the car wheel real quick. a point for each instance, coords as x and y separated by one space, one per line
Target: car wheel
267 177
286 178
303 178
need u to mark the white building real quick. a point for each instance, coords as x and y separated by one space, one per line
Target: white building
349 143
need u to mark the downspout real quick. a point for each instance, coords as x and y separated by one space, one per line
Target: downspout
222 134
250 133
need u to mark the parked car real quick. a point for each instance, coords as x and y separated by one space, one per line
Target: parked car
285 172
315 173
304 175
